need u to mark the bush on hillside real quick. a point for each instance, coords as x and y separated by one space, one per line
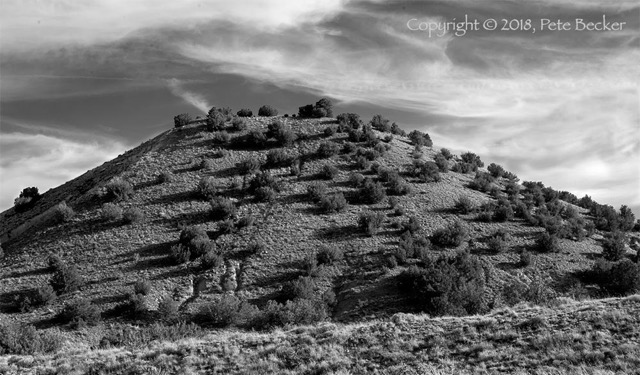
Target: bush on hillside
63 213
349 121
132 215
228 311
244 112
267 110
370 222
328 172
419 138
166 176
371 192
547 243
254 139
613 246
473 159
495 170
66 279
24 339
322 108
248 166
425 171
617 278
329 255
450 236
331 203
80 312
182 120
380 123
206 188
448 285
282 134
278 158
118 189
328 149
316 190
463 205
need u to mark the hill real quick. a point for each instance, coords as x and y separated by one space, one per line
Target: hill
264 222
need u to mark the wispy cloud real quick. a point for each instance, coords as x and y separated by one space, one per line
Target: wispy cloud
195 99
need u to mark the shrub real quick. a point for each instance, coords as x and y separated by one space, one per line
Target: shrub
412 225
80 312
142 287
222 208
328 172
495 170
168 309
263 180
525 258
450 236
23 339
278 158
463 205
66 279
447 285
227 311
296 312
370 222
166 177
322 108
207 187
328 149
267 110
333 203
425 171
420 139
316 191
265 194
132 215
399 187
371 192
393 202
441 163
180 254
472 159
55 263
329 131
497 244
281 133
28 197
246 221
329 255
349 120
380 123
244 112
181 120
248 166
211 259
613 246
362 163
255 139
446 153
63 213
618 278
118 189
503 211
547 243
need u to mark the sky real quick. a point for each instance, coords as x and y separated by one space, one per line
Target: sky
83 81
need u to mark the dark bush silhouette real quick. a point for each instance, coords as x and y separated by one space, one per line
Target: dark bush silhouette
464 205
249 166
495 170
328 172
182 120
349 121
547 243
446 153
316 191
244 112
228 311
450 236
118 189
267 110
613 246
473 159
370 222
617 278
328 149
207 187
419 138
322 108
441 163
66 279
335 202
425 171
281 133
447 285
329 255
223 208
371 192
380 123
80 312
278 158
23 339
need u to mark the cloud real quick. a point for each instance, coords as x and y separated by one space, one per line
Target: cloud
46 161
192 98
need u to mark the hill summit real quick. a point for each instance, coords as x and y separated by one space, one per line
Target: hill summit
275 222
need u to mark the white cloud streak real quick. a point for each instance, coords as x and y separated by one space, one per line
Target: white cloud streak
192 98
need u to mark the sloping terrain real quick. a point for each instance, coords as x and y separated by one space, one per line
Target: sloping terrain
280 242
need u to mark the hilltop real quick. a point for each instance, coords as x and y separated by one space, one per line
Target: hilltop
271 221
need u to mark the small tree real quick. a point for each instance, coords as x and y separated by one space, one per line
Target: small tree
245 112
613 246
181 120
267 111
